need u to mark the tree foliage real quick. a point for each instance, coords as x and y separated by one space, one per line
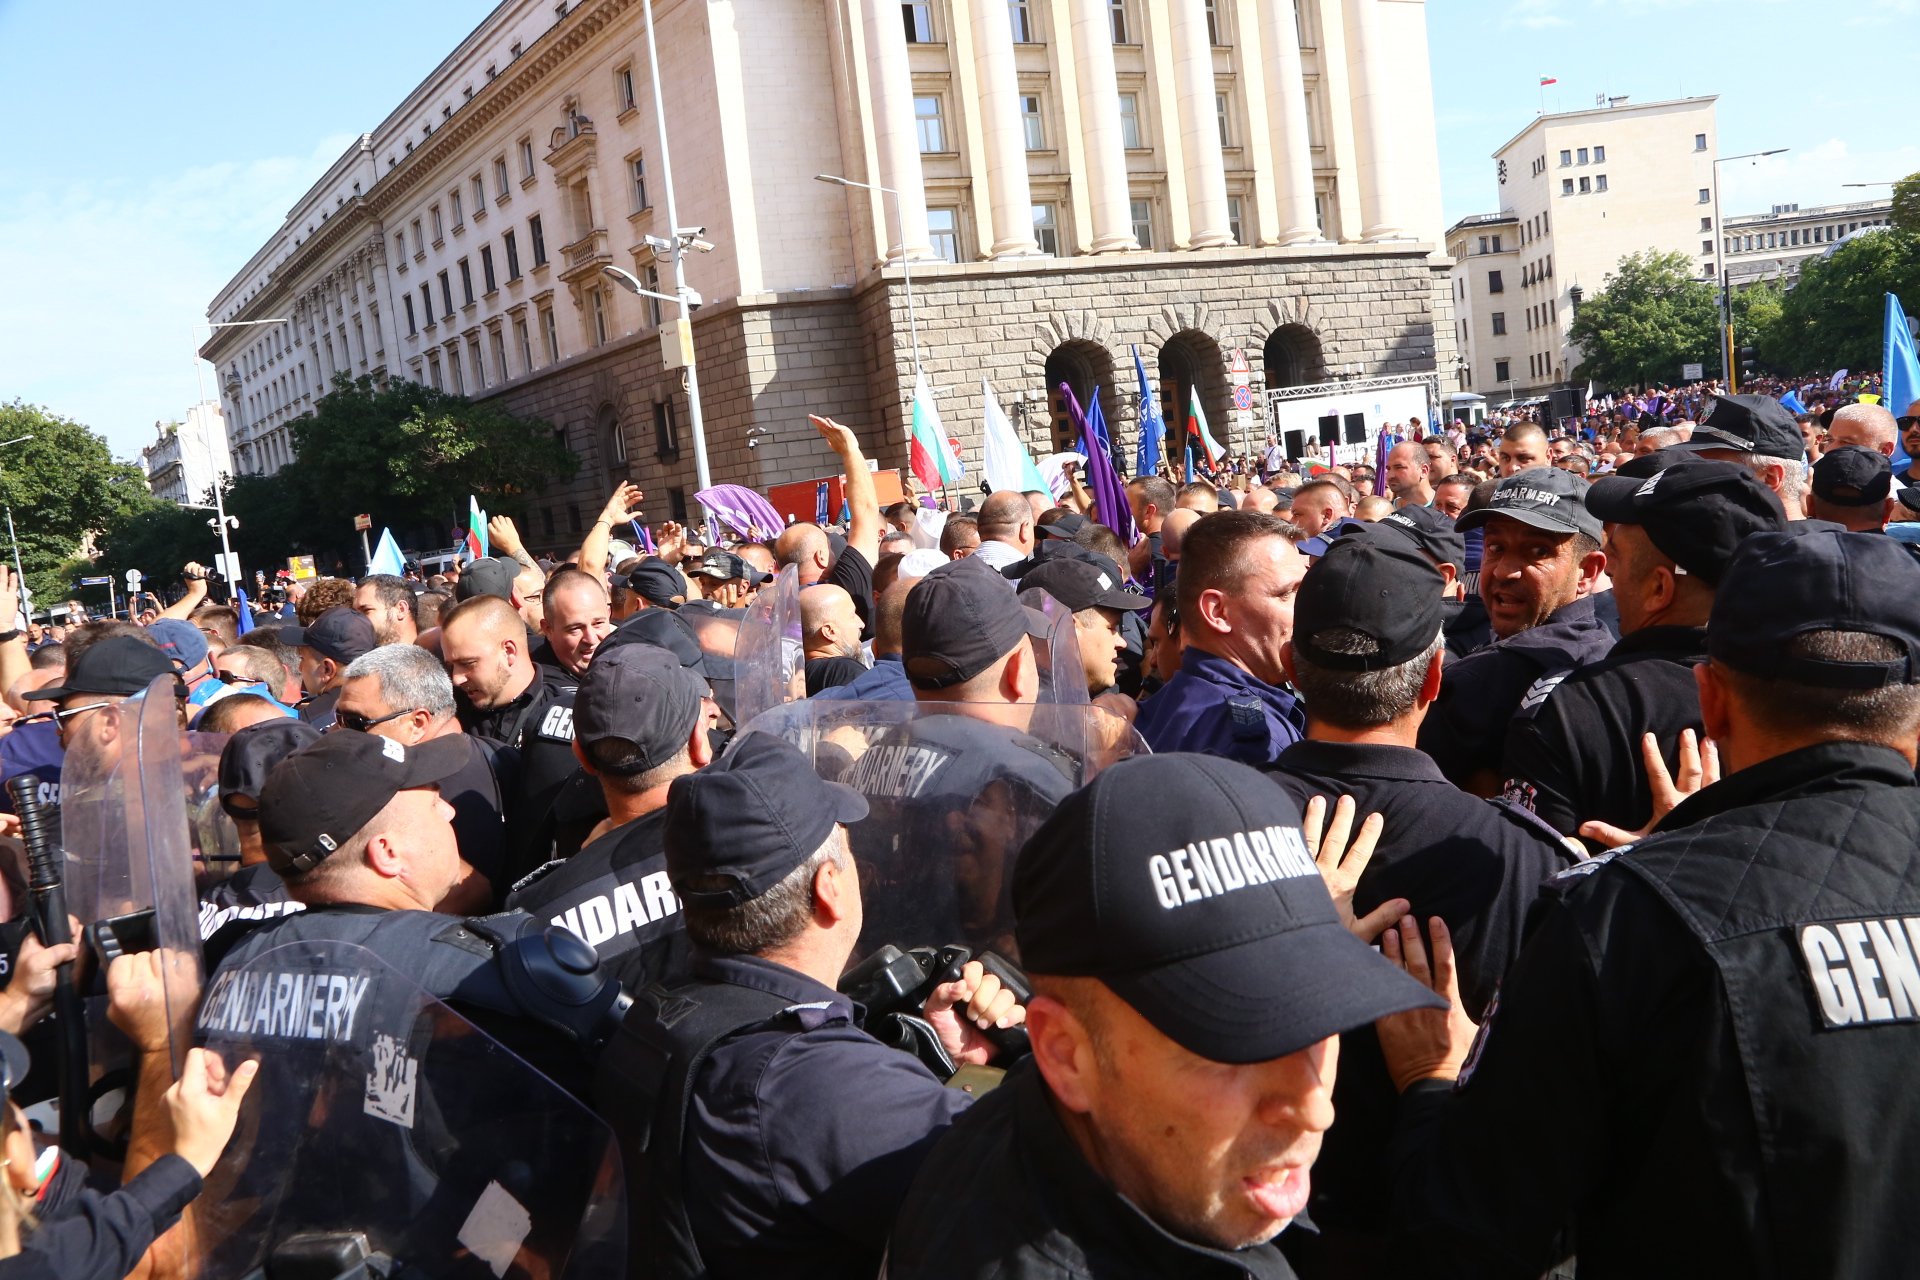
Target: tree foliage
1906 204
1833 316
61 486
1651 317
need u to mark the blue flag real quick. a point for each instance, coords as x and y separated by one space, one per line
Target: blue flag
1146 460
1900 374
386 557
1791 403
244 623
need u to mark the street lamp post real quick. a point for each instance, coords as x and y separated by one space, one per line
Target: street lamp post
906 264
1720 239
227 562
19 574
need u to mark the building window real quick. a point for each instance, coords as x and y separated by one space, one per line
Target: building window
400 246
1142 215
453 199
466 283
932 128
524 341
438 233
453 371
526 159
1233 219
419 242
1030 122
1599 182
433 370
666 430
1706 195
1586 186
638 166
1213 23
943 232
486 266
1494 283
479 365
412 328
1499 324
446 295
1220 116
1566 158
1502 371
550 334
500 176
1582 156
1706 246
1599 155
512 247
919 17
1021 12
426 305
1496 244
1484 242
598 300
1118 10
1699 142
623 87
1566 186
479 198
539 238
500 355
1046 229
652 285
1130 121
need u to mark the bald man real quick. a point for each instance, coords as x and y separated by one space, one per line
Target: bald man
1318 505
830 637
805 546
1865 426
1006 525
1523 447
1409 475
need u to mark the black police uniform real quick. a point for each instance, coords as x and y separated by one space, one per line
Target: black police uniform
1466 731
1702 1059
1573 755
1006 1194
1466 626
539 725
317 709
92 1235
802 1134
614 893
251 893
1477 864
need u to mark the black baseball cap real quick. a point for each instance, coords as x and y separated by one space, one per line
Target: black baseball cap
250 755
119 666
1544 497
318 798
1066 525
487 576
1649 463
656 582
1388 593
726 566
1430 530
639 694
1080 585
750 817
1782 585
1748 424
1345 527
339 633
663 629
1696 512
958 621
1208 917
1852 476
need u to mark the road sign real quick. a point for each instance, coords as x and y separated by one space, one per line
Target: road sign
1692 372
133 579
1243 397
1237 363
104 580
363 522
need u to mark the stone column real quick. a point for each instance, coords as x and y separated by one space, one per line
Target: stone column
1107 193
1199 126
893 130
1001 130
1372 122
1287 121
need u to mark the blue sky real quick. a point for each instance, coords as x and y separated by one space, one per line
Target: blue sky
153 147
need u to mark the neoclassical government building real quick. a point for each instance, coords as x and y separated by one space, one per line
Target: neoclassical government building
1066 181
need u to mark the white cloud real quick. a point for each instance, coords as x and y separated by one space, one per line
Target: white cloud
1813 175
1535 15
107 281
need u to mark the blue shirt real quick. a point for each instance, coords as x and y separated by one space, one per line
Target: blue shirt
1213 707
885 681
32 748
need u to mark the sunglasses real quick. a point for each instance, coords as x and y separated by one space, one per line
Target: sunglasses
61 716
361 724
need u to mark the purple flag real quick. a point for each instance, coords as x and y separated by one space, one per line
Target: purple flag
643 536
746 512
1109 491
1382 447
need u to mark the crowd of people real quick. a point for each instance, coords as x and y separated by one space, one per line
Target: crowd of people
1499 858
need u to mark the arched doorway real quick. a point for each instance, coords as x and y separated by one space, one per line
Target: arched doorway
1085 367
1191 360
1293 357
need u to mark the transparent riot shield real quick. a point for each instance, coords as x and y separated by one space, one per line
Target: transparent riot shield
719 637
383 1125
769 664
951 798
129 855
214 839
1063 679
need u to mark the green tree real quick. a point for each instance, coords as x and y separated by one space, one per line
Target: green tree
61 486
1906 204
1651 317
454 447
1757 312
157 538
1833 316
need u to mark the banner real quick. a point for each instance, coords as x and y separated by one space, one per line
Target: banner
1006 461
1153 428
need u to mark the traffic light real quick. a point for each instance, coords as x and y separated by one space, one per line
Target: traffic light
1749 364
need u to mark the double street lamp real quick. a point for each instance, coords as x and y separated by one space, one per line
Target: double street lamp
1726 288
221 520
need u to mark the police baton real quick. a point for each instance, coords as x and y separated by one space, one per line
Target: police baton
39 829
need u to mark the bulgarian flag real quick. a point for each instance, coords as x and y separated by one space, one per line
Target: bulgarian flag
476 528
929 451
1198 436
1548 80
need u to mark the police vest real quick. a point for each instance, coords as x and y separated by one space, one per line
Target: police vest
1809 909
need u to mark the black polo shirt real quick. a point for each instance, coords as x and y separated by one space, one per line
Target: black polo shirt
539 725
1006 1195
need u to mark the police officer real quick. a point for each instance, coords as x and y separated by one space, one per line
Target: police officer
640 721
765 1132
1758 433
1366 656
1702 1061
1182 1065
1539 566
1852 487
1573 750
255 891
1099 600
1238 574
504 695
327 645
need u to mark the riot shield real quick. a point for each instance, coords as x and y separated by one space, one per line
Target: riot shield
214 839
129 855
385 1124
1063 679
719 637
769 664
951 798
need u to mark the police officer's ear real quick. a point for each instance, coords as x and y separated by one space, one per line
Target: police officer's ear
1020 679
1451 588
1429 683
699 743
1592 565
1716 702
836 891
1286 663
1063 1051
